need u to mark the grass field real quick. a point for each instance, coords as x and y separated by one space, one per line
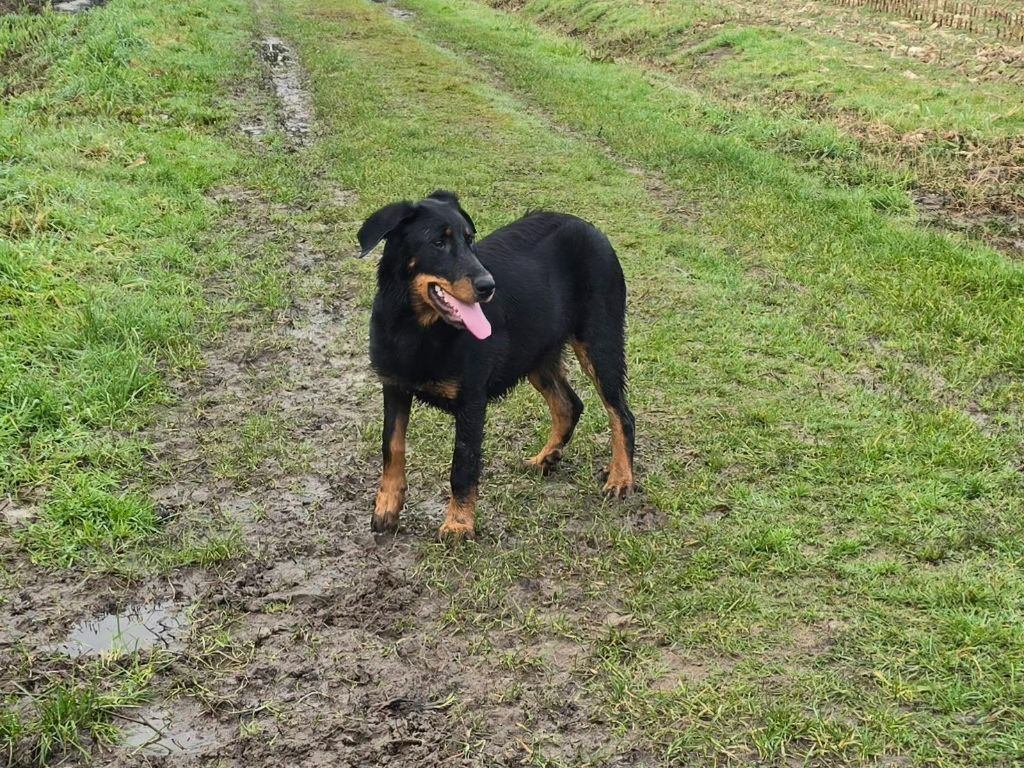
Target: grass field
820 230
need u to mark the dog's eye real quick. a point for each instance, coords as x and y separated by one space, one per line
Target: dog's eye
469 239
439 243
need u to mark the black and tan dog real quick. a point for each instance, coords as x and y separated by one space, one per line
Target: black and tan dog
457 323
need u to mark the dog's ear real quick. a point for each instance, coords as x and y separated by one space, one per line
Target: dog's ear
444 196
382 223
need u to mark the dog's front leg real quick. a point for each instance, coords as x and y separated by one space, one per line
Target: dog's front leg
391 495
460 522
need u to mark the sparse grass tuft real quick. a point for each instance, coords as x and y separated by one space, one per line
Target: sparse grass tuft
86 516
67 715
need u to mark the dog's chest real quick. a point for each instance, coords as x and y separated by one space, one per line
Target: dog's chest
428 386
431 373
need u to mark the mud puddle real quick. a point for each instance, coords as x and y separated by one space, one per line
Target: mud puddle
296 111
398 13
138 628
166 731
77 6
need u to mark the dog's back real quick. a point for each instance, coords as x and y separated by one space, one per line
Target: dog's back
554 271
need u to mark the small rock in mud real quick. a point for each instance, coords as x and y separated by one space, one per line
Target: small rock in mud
134 629
617 620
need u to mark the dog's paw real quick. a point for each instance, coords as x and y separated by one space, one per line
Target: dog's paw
384 523
386 510
454 532
545 461
618 483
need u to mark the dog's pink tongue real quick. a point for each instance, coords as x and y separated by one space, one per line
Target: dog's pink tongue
473 317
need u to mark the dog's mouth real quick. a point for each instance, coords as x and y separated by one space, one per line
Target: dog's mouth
458 313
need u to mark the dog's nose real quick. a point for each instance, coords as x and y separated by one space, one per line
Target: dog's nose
484 287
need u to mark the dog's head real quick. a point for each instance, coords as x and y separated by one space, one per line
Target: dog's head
431 243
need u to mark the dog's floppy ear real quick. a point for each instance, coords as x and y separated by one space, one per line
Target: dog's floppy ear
382 223
444 196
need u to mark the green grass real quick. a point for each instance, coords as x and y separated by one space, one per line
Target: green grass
263 437
766 61
86 513
827 396
111 132
71 715
855 115
953 306
841 540
107 154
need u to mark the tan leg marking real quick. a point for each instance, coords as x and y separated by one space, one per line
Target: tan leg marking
561 422
588 368
391 495
620 470
448 389
460 522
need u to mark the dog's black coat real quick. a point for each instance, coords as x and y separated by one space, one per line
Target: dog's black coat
555 280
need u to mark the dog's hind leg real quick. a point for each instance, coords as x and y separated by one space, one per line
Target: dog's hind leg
565 407
391 496
602 357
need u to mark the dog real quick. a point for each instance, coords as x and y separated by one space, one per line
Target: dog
457 323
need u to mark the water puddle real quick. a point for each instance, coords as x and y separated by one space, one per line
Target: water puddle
76 6
286 75
135 629
161 732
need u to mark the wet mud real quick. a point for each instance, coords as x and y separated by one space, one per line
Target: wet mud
77 6
398 13
324 646
295 109
163 732
134 629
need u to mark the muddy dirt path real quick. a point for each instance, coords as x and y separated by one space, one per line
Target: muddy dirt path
324 646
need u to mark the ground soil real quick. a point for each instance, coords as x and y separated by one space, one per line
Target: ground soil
23 6
324 647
